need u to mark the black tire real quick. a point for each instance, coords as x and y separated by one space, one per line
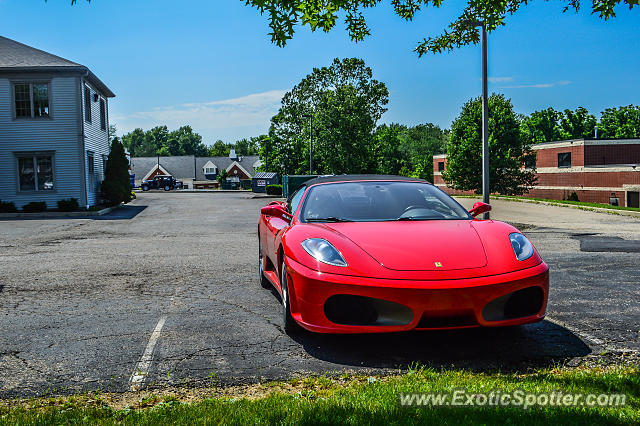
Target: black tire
264 282
167 188
289 324
145 187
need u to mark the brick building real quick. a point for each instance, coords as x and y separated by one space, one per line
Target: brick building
599 171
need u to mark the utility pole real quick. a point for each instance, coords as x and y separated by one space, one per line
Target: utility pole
310 143
485 122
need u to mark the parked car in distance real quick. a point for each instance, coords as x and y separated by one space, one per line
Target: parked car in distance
161 182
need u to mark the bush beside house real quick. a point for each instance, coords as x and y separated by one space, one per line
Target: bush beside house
68 205
7 207
35 207
116 187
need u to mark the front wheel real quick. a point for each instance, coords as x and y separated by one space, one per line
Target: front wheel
290 325
145 187
167 188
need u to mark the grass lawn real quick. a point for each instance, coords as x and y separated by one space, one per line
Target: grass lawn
355 400
575 203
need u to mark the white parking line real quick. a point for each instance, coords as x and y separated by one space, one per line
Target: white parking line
142 367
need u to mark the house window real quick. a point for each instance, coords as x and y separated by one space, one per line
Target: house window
103 114
31 99
441 166
564 159
35 172
87 104
91 167
209 171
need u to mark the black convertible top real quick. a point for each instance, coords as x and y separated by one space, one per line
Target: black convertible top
353 178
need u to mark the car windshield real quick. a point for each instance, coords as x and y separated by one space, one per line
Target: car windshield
372 201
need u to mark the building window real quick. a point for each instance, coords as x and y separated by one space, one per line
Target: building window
103 114
87 104
530 161
209 171
91 170
441 166
35 172
564 159
31 99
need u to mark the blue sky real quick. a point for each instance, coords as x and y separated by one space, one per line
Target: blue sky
210 63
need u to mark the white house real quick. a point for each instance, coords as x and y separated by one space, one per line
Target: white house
54 123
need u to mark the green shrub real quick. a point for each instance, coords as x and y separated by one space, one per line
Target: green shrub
116 186
68 205
573 197
7 207
274 189
35 207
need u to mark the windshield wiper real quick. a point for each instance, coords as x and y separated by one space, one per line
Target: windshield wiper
416 218
328 219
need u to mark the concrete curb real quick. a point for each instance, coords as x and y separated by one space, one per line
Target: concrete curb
571 206
45 215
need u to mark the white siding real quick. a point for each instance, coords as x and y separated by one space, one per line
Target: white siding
96 140
58 134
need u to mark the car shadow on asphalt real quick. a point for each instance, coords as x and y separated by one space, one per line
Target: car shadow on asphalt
539 345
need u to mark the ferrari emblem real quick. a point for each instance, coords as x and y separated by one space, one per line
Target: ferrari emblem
438 265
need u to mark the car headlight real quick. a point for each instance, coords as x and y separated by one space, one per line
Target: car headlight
323 251
521 246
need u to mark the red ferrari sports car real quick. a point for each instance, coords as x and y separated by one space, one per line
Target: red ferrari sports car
365 254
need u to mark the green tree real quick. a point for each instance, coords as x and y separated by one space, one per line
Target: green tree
219 149
247 146
346 103
508 150
389 143
133 141
422 143
188 142
578 124
116 186
620 123
284 15
544 126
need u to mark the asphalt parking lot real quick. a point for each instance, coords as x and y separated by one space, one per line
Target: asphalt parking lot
165 292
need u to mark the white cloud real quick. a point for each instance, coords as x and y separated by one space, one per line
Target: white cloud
500 79
210 119
538 86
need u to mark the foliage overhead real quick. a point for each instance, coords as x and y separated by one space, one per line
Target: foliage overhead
509 150
284 15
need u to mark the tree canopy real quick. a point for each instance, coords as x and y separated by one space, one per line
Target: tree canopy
284 15
508 149
345 103
161 141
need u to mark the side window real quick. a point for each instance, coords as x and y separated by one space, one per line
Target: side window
292 205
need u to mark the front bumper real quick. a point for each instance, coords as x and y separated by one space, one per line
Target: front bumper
331 303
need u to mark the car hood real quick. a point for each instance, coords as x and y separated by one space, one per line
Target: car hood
434 245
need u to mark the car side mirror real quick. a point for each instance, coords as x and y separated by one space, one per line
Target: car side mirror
479 208
276 210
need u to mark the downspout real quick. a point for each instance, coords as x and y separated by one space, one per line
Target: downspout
83 169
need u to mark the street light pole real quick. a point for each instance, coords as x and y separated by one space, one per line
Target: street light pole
485 122
310 142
